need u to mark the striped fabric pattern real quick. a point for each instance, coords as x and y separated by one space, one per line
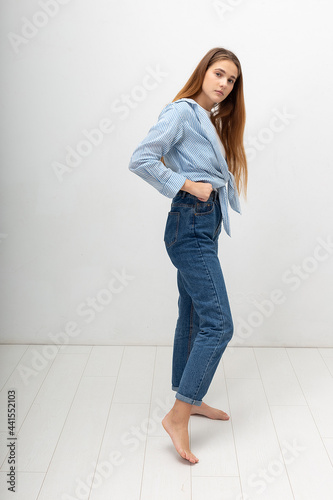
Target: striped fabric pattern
186 138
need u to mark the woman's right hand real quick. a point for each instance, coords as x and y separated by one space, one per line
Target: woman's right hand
201 190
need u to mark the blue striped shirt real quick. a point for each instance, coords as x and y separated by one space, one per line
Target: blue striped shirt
186 138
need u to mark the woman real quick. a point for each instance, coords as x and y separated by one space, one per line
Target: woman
184 156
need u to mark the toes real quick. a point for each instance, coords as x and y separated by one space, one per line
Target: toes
190 457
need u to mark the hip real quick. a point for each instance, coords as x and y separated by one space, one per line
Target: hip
189 219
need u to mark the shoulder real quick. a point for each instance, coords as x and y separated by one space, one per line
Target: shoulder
177 109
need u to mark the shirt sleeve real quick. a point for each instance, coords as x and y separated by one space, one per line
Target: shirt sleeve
146 159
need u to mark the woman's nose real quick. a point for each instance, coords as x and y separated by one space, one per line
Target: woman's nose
223 82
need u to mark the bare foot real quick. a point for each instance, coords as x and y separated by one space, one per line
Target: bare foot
178 431
209 412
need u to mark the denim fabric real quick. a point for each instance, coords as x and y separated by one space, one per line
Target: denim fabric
204 326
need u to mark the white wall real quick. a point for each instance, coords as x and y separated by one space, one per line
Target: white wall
65 237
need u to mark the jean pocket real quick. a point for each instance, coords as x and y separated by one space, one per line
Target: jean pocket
171 229
204 207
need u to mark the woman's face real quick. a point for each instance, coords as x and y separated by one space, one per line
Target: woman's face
219 81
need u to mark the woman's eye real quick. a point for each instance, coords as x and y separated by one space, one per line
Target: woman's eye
230 80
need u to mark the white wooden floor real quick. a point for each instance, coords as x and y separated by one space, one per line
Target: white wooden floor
88 425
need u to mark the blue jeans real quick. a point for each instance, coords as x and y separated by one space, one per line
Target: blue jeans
204 326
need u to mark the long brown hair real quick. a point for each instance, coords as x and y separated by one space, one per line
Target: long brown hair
231 110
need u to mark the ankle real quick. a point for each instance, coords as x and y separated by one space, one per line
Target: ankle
177 416
181 412
182 408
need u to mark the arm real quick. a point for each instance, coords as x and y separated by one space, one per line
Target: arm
146 159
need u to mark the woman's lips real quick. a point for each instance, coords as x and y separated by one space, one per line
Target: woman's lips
219 92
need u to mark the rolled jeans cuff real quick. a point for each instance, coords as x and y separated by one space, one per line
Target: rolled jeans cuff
185 398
